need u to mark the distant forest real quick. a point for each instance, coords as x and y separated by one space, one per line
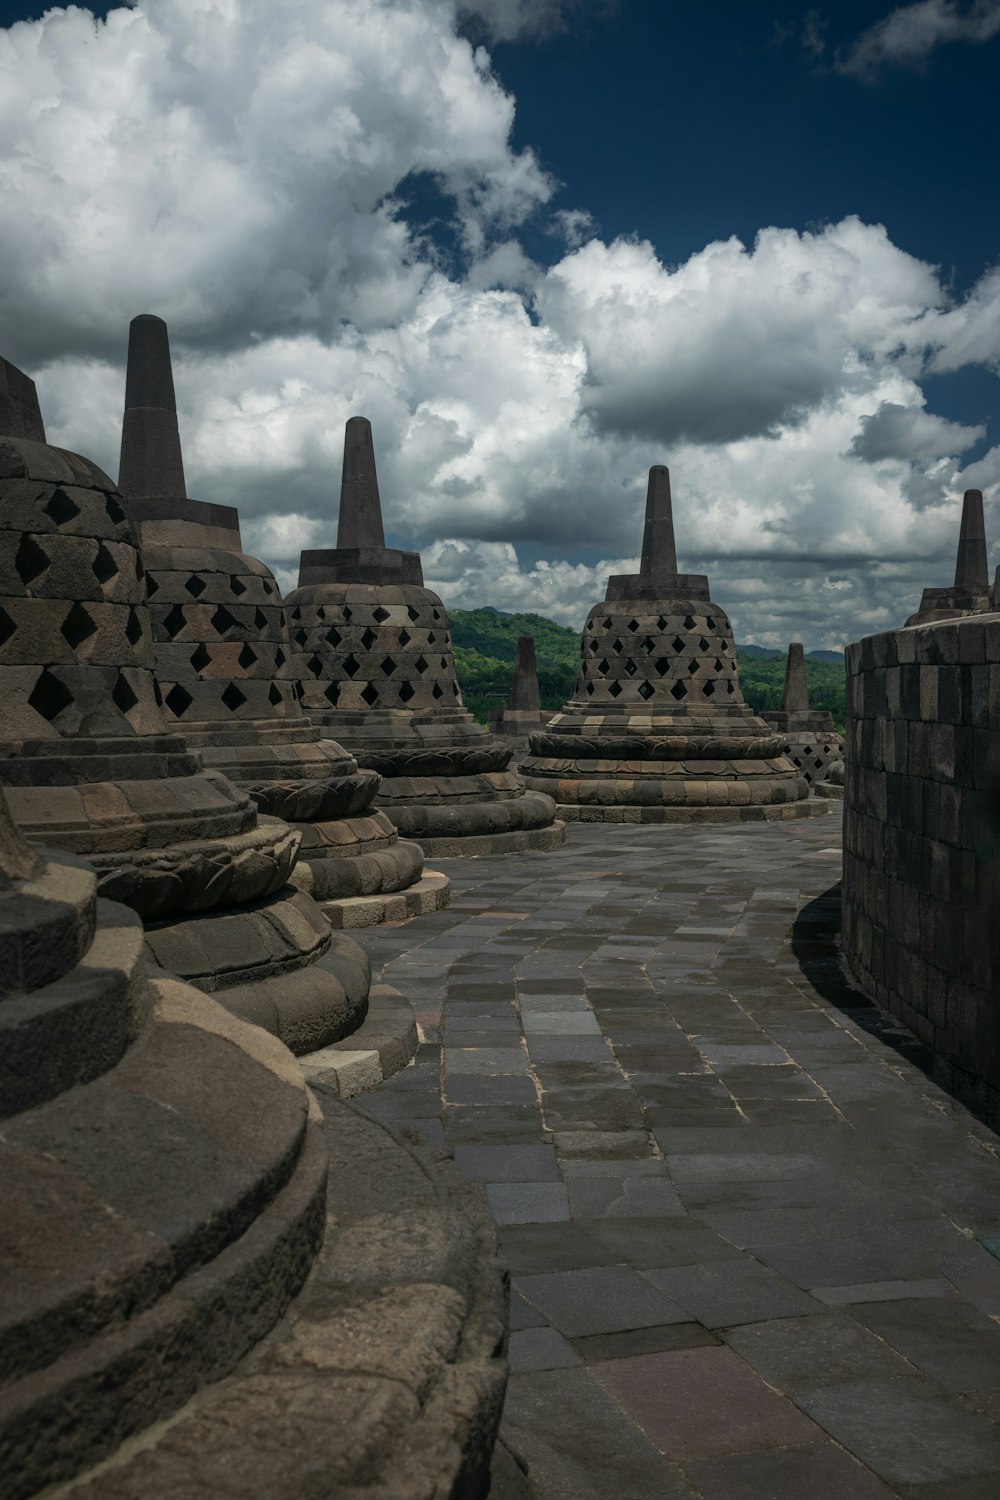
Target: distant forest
485 644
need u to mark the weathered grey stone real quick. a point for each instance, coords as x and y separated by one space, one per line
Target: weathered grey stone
811 743
970 593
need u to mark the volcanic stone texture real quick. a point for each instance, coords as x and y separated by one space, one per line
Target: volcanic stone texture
970 593
657 730
90 766
376 667
226 674
523 714
810 741
922 841
162 1174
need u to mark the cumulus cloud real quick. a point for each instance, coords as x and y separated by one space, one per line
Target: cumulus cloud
911 33
241 169
517 20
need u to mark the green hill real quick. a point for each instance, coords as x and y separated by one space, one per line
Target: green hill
485 642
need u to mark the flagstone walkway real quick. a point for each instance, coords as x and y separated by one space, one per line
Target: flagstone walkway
754 1250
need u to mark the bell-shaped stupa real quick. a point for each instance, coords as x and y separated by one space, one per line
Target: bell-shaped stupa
523 715
226 669
970 593
810 740
376 667
90 766
657 730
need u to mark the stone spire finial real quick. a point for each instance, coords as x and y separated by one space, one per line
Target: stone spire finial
795 697
20 414
971 568
524 695
360 523
659 554
151 463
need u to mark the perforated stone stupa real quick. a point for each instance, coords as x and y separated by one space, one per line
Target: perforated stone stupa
970 593
90 766
657 729
810 740
226 670
376 667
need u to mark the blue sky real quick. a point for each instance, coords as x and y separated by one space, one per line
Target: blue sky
543 244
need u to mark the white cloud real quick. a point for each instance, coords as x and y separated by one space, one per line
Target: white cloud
911 33
516 407
517 20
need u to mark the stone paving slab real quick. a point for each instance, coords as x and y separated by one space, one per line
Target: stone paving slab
755 1253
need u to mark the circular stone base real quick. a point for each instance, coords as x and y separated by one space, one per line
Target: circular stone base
767 813
498 843
830 790
430 893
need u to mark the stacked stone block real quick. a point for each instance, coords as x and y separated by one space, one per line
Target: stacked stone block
523 714
226 670
376 668
970 593
921 885
657 730
90 765
810 740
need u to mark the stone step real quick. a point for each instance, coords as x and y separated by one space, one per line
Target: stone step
430 893
384 1043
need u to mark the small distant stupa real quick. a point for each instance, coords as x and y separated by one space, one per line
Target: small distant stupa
970 593
810 740
523 714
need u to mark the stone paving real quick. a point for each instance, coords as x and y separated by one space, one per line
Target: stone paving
755 1252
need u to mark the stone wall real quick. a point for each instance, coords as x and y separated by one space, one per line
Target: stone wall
921 913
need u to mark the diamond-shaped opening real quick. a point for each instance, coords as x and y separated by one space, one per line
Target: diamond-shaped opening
414 614
730 687
222 620
333 636
594 647
454 690
677 644
631 667
351 665
77 626
236 586
633 625
431 637
590 689
406 692
31 560
174 621
105 567
607 623
260 620
114 510
140 571
435 614
817 763
247 658
421 664
268 586
157 694
679 689
719 666
296 613
604 666
61 508
152 587
389 666
233 698
437 691
274 696
723 645
615 689
200 657
300 637
320 613
368 639
123 695
708 689
647 646
733 665
133 630
178 700
314 665
703 644
617 643
7 627
689 622
347 612
370 694
380 614
405 637
49 696
662 665
710 621
695 665
279 657
195 586
332 693
646 690
662 622
444 663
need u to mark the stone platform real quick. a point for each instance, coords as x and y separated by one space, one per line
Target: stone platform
755 1251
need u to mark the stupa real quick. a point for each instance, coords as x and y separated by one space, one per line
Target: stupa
376 667
657 730
523 714
226 672
810 740
970 593
90 766
152 1230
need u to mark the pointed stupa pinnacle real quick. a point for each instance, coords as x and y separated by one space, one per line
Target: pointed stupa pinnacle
360 523
524 694
151 463
659 555
971 568
795 697
20 414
